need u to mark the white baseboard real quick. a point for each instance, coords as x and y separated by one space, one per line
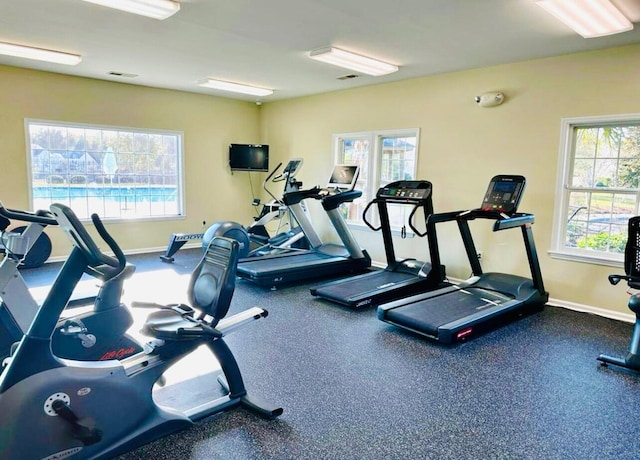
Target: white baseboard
626 317
130 252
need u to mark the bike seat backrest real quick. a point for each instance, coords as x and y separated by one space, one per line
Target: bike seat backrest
214 279
632 253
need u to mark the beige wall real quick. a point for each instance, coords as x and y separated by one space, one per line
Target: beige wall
462 146
209 124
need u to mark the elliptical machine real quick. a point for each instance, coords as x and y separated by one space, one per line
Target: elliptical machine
53 408
96 333
632 277
256 240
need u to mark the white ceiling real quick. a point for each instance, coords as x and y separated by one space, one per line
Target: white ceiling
266 42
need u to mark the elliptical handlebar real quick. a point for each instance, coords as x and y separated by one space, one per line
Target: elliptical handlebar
43 217
266 181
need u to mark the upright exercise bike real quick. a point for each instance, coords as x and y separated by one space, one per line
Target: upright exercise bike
52 408
632 277
96 332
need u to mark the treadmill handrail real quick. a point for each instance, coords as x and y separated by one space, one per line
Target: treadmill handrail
330 202
364 216
295 197
410 221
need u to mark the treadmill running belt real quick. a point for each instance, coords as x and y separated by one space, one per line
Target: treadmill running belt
428 315
363 285
283 263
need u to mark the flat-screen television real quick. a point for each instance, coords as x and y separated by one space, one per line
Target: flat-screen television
249 157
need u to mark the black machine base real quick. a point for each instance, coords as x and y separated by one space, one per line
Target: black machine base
375 288
458 313
299 267
176 241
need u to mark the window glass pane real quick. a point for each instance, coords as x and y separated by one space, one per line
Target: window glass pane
105 170
601 193
583 173
356 151
397 162
585 142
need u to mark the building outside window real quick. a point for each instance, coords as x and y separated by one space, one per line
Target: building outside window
118 173
598 187
383 157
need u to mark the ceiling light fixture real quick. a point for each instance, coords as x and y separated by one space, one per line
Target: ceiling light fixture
156 9
353 61
234 87
590 18
39 54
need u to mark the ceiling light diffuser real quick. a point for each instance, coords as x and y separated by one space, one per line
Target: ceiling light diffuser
39 54
590 18
156 9
234 87
357 62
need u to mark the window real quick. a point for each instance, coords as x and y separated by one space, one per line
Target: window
598 187
383 157
118 173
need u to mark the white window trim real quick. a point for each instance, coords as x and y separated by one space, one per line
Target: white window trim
375 166
180 165
564 168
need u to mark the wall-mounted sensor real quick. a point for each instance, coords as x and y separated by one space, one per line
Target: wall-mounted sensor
489 99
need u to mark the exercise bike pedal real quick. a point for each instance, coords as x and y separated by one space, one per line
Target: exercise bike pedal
81 432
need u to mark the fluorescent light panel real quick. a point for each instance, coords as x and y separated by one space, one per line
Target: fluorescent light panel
590 18
156 9
352 61
39 54
234 87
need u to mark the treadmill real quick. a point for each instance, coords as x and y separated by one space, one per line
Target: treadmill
401 278
486 300
323 259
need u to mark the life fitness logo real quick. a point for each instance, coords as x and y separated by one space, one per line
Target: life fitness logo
117 354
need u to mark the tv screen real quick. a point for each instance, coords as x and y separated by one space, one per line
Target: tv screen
249 157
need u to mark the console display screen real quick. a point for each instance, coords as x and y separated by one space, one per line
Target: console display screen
504 194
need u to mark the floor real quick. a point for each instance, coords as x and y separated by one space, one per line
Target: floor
353 387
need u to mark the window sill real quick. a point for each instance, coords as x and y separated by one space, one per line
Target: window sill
609 261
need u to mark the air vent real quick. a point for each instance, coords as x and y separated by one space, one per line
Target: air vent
122 74
348 77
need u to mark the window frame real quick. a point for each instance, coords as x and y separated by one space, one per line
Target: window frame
179 177
565 166
374 165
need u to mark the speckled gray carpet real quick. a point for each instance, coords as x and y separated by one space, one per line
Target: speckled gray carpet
353 387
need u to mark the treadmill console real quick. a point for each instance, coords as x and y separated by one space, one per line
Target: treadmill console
504 194
408 191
